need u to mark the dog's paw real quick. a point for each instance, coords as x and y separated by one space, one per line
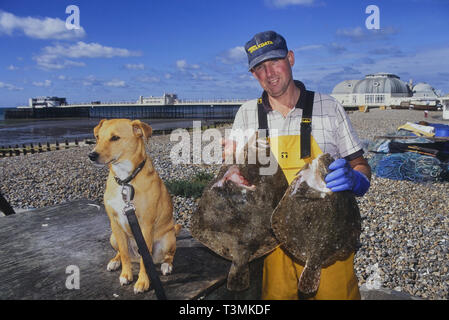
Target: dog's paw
166 268
126 278
113 265
124 281
142 284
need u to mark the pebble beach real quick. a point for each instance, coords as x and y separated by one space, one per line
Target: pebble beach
405 225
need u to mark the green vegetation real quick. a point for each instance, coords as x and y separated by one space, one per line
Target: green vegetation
190 188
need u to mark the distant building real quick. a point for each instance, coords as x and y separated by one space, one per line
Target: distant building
423 90
46 102
383 89
445 102
166 99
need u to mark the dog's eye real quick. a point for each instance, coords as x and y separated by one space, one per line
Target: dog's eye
115 138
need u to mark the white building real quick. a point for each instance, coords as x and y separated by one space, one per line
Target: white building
45 102
383 89
166 99
445 102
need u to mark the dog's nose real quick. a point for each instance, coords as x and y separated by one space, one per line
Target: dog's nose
93 156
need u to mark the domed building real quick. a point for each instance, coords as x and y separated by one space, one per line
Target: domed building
382 89
378 89
424 90
343 92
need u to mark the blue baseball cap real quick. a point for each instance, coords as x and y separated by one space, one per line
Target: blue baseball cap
264 46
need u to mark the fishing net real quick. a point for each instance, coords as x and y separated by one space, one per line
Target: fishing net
406 165
409 166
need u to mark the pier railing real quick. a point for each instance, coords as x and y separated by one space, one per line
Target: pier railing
176 102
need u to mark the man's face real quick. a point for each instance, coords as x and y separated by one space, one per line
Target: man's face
275 75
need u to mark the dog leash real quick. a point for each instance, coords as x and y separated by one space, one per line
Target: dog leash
130 212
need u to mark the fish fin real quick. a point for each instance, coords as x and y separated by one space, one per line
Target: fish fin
238 277
309 280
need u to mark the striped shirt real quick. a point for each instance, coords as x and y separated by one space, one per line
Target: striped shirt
331 126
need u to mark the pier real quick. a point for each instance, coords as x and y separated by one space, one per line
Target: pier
180 109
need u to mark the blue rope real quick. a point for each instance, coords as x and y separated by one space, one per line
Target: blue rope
409 166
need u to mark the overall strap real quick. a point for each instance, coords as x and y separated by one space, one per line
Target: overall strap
263 117
306 124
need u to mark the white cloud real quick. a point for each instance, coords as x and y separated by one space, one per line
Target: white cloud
90 81
12 67
116 83
53 62
45 83
421 63
233 55
45 28
354 33
148 79
324 72
9 87
54 57
201 76
183 65
358 34
284 3
88 50
309 47
131 66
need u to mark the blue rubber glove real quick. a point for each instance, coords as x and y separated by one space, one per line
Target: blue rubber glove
343 177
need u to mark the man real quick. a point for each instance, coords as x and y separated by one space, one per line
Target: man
284 104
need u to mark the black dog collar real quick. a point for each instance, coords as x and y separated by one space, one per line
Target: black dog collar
132 176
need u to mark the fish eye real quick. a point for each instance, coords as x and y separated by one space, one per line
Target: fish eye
115 138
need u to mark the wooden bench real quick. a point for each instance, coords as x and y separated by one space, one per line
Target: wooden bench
40 249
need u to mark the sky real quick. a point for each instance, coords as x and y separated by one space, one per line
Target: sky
121 50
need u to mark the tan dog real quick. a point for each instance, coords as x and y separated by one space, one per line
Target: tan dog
121 146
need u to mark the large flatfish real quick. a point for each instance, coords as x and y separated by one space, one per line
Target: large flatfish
233 215
315 225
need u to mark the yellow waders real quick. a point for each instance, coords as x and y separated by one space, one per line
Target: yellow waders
280 273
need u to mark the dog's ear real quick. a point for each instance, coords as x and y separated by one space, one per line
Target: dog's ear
97 128
141 129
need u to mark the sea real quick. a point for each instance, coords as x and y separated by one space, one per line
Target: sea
25 131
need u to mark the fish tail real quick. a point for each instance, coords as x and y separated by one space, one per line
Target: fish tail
238 277
309 281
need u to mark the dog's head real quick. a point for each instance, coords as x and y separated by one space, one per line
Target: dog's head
119 139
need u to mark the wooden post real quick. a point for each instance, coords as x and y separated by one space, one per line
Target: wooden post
24 149
57 145
10 151
3 151
32 148
17 150
48 146
66 144
40 147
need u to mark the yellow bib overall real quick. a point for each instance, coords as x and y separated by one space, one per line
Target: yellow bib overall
280 273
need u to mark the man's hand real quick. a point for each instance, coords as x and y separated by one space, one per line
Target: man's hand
343 177
229 147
